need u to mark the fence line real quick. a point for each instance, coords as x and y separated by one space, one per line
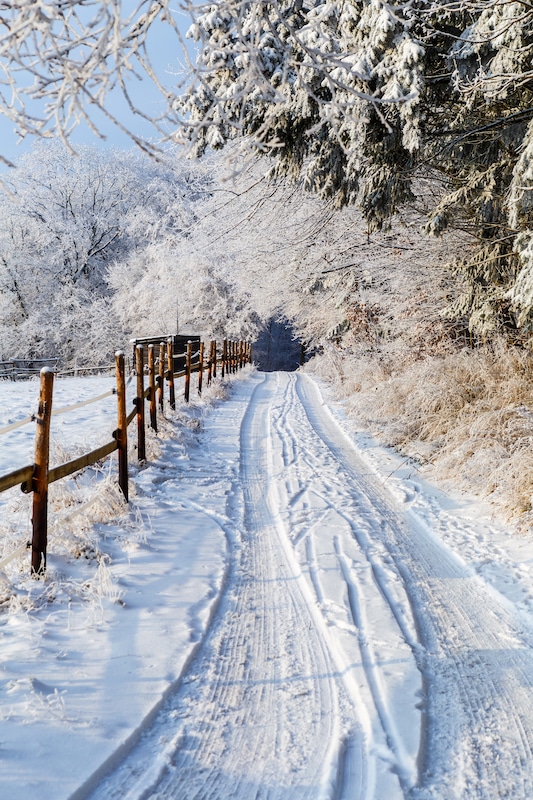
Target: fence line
17 424
24 367
31 367
38 476
82 403
56 411
96 369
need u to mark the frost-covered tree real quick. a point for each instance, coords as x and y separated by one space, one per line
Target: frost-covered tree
174 285
356 98
66 220
353 98
313 85
189 249
299 259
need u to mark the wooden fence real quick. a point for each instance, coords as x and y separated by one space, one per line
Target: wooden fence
157 367
20 368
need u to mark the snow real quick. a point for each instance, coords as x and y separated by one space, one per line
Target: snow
286 609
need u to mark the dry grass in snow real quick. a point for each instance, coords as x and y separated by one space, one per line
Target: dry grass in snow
466 415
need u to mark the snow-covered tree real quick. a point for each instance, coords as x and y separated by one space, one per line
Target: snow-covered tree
311 85
66 220
300 260
355 99
173 285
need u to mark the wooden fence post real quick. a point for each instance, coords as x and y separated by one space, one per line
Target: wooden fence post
188 371
249 352
210 364
151 377
224 356
170 373
241 354
139 402
214 358
201 368
122 429
161 376
40 475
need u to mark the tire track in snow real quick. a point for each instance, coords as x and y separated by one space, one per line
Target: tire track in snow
316 472
259 713
478 662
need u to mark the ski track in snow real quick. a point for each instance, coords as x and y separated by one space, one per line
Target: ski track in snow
352 654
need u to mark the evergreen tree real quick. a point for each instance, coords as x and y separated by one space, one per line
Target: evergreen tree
357 99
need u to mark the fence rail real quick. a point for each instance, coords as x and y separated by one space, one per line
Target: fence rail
25 367
38 476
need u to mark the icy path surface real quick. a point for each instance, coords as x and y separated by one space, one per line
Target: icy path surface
353 653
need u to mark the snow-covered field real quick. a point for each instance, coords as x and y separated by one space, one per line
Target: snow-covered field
286 610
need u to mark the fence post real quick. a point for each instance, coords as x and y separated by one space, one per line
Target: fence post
170 373
161 376
214 358
139 402
210 364
122 429
224 355
249 352
201 369
40 475
241 354
151 376
188 371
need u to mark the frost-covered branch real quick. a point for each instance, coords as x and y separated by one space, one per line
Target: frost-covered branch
62 58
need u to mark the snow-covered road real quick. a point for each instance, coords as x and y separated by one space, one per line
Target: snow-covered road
352 652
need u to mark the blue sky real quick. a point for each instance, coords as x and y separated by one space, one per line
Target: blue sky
165 54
